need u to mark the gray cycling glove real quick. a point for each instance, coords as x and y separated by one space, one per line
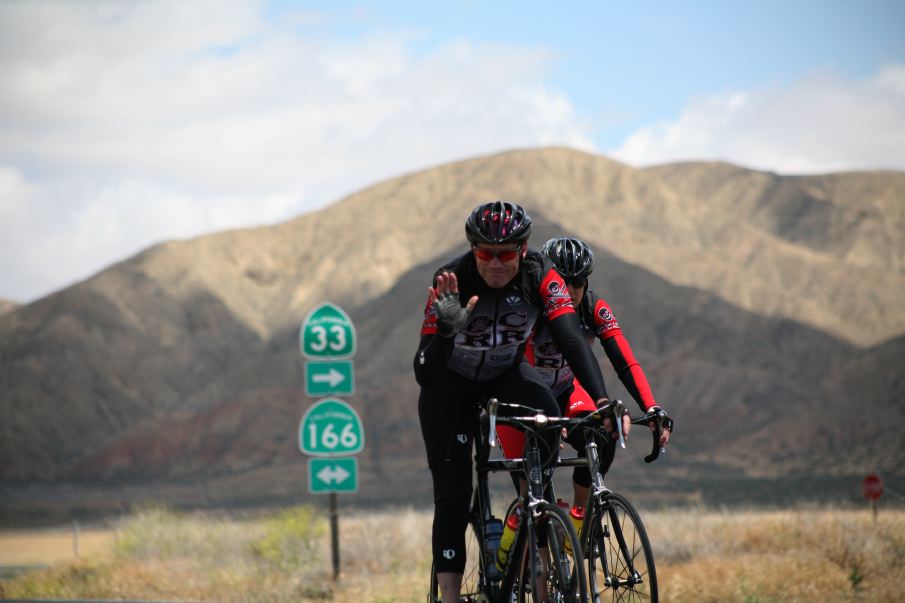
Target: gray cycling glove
451 316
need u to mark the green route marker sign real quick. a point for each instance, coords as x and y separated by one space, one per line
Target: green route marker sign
327 332
332 475
331 428
324 378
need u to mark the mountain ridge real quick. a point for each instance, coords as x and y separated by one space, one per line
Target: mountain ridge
8 305
189 349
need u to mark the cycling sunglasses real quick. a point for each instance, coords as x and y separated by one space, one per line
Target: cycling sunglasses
504 255
577 283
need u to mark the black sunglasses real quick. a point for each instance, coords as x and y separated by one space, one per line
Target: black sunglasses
577 283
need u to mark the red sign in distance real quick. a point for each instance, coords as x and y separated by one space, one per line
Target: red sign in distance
873 487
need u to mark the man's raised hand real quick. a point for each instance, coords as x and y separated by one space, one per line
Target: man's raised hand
451 316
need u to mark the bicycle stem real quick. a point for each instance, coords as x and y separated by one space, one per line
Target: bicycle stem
492 405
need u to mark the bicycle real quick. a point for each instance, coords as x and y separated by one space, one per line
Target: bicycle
537 569
613 538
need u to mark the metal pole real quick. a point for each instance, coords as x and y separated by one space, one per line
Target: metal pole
75 537
334 534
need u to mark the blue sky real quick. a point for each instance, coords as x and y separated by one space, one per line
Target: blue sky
622 63
123 124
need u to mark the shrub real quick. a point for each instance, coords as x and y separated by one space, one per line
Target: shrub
292 539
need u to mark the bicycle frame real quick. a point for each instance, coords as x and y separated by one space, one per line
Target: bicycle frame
598 492
480 512
554 570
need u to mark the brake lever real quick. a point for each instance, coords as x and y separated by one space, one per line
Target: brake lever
492 405
616 409
618 412
663 422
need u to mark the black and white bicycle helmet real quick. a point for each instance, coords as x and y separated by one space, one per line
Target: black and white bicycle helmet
572 257
498 222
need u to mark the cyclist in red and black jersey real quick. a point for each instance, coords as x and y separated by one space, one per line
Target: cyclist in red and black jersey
574 260
481 310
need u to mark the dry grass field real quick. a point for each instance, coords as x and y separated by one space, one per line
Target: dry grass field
718 556
46 547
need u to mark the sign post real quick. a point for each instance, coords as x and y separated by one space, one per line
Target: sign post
873 490
330 429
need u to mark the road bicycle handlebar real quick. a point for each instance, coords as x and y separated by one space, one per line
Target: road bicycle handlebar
662 421
614 409
540 421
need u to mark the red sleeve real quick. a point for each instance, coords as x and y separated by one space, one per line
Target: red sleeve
555 296
429 326
621 356
605 323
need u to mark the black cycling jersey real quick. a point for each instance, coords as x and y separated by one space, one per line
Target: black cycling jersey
494 338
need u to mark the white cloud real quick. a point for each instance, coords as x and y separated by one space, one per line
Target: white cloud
122 124
46 238
822 123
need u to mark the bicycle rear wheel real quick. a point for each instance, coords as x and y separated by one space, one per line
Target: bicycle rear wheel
472 592
620 558
548 574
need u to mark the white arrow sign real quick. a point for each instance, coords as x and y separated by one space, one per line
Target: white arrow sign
323 378
334 474
334 378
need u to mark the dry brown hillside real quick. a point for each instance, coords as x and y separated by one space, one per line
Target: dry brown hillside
760 306
824 250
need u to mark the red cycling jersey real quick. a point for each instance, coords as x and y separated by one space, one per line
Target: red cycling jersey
597 321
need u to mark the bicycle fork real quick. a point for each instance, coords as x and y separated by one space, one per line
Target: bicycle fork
598 495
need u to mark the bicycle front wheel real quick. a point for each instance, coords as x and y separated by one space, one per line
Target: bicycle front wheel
548 573
620 558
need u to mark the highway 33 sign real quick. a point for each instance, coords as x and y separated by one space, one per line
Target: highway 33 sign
327 332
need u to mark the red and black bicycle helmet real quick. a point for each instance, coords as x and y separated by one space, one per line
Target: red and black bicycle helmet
572 257
498 222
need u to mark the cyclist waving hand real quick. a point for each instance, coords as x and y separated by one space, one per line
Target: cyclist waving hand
481 310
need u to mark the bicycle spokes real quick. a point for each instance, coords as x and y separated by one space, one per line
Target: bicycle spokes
628 547
620 562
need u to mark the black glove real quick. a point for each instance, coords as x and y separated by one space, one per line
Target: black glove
451 316
659 416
